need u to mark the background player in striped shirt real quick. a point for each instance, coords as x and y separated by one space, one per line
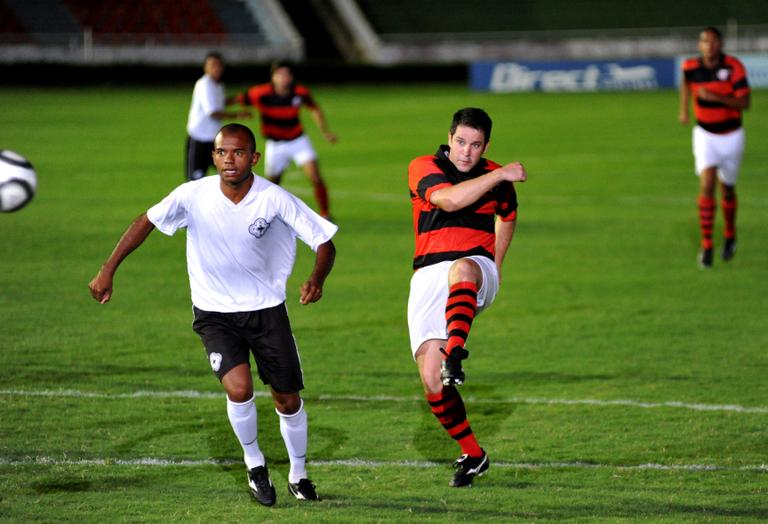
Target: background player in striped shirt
279 102
464 214
718 85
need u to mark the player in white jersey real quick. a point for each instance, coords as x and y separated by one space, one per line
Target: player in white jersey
205 115
241 246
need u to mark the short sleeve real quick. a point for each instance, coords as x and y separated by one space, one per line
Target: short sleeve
424 178
170 214
506 204
310 227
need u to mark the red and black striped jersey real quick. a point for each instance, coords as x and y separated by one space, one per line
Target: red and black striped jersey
728 77
279 114
443 235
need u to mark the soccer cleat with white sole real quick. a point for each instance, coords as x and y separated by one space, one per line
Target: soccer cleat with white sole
451 373
261 486
467 468
729 249
705 258
303 490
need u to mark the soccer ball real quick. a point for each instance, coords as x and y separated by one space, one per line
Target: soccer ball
18 181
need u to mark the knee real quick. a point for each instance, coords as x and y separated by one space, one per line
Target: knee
287 404
432 383
465 270
239 393
729 192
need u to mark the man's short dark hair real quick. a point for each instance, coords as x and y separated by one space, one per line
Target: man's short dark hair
231 129
213 54
277 64
715 31
474 118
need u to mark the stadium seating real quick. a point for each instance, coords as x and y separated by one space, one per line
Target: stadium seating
10 28
118 21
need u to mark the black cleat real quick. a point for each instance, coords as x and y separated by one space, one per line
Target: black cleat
467 468
705 258
261 485
303 490
450 368
729 249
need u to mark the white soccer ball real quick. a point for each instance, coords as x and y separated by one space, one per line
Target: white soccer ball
18 181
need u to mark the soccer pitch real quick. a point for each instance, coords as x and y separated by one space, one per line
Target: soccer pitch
612 380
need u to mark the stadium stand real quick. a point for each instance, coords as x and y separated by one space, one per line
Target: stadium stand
373 32
152 32
497 17
43 21
452 31
10 27
115 21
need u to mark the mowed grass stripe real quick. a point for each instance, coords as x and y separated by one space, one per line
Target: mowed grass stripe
359 463
386 398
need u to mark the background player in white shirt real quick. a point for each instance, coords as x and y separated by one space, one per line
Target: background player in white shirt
241 247
205 115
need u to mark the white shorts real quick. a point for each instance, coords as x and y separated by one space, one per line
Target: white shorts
721 151
429 295
280 153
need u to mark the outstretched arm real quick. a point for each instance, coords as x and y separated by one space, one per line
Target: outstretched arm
134 236
468 192
685 96
312 289
319 118
732 101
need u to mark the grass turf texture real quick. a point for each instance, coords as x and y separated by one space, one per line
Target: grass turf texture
601 299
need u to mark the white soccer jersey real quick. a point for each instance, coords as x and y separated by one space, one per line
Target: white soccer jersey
207 97
239 256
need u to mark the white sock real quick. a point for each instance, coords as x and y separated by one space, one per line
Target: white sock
294 429
242 416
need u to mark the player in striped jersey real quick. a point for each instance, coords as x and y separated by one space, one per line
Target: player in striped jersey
718 85
279 102
464 214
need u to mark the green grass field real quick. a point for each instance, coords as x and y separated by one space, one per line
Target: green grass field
611 381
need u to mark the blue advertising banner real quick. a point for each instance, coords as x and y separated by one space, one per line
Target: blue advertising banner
616 75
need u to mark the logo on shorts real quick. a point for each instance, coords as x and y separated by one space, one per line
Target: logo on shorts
258 228
215 359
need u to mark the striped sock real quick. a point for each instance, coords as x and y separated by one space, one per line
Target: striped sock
460 310
729 213
449 409
706 220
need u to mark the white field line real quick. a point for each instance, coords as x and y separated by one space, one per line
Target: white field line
733 408
373 464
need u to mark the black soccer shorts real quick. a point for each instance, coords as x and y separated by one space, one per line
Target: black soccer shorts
199 158
230 338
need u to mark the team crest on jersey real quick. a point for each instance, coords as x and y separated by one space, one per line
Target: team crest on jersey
258 228
215 359
723 74
296 102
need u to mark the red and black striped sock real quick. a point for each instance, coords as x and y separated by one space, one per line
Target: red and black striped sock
729 214
706 220
449 409
460 310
